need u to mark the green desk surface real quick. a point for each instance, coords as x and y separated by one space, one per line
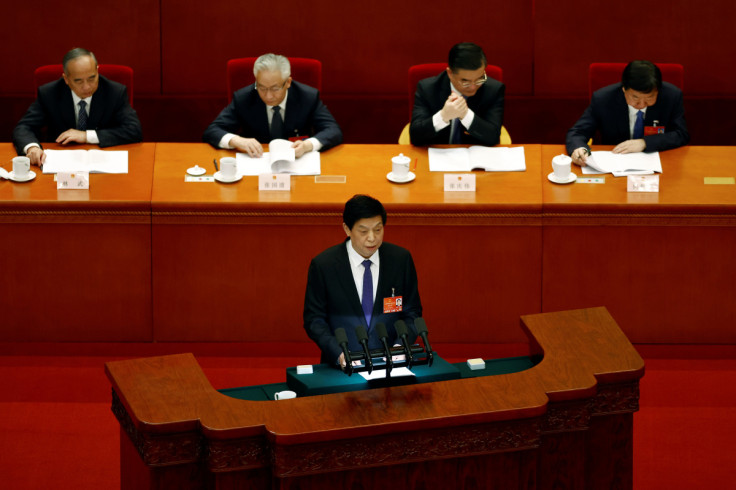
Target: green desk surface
327 379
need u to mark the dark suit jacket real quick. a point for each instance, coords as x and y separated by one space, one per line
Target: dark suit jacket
305 115
332 301
608 114
110 115
487 104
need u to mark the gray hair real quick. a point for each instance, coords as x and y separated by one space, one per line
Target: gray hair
272 62
77 53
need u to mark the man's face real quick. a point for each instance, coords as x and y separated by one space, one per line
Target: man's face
81 76
640 100
272 87
465 81
366 235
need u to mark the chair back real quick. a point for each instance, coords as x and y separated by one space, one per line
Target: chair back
240 73
426 70
117 73
603 74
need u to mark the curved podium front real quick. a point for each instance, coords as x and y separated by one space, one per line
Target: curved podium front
565 423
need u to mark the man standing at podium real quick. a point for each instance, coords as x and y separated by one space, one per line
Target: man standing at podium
80 107
639 114
461 105
275 107
362 281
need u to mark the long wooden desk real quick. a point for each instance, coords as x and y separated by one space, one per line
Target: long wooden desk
167 260
565 423
663 263
230 263
77 263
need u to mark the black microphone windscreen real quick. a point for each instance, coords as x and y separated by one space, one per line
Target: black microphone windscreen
360 333
420 325
341 336
401 328
381 331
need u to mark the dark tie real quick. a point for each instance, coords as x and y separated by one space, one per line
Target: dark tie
457 132
82 119
639 125
277 124
367 292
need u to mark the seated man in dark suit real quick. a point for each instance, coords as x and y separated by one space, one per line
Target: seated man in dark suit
639 114
461 105
80 107
274 107
348 284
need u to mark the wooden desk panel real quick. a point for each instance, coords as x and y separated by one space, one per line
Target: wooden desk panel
84 256
662 263
567 421
230 263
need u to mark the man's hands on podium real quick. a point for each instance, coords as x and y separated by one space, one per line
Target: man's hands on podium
72 136
249 146
630 146
36 155
455 107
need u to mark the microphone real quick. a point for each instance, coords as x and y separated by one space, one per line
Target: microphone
421 327
403 331
363 339
383 337
342 340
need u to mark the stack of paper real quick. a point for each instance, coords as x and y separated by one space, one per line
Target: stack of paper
92 161
621 164
500 159
280 160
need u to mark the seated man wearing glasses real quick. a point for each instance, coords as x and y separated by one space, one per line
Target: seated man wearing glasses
461 105
274 107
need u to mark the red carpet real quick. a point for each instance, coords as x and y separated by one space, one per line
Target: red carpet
57 431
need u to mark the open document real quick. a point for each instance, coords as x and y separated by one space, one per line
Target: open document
477 157
280 159
621 164
92 161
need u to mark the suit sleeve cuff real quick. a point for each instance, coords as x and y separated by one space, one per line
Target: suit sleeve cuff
316 144
92 138
468 119
438 123
225 141
29 146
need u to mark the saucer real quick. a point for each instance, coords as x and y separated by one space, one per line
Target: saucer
227 180
196 170
570 178
401 180
31 175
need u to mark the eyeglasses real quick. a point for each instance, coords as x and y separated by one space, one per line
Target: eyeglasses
273 89
478 82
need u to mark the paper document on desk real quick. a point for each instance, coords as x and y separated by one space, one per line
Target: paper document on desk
280 159
92 161
621 164
490 159
381 373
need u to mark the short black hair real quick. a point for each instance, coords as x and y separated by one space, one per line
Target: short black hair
76 53
466 56
642 76
361 206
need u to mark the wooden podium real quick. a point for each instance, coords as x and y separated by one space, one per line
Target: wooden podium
565 423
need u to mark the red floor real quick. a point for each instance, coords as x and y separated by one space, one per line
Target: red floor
56 425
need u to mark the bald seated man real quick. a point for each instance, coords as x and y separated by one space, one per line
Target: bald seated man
80 107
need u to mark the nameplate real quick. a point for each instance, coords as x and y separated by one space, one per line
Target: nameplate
72 180
642 183
330 179
274 182
590 180
719 180
459 182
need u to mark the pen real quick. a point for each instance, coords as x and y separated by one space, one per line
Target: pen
214 160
